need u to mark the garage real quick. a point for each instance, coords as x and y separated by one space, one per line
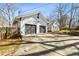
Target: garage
31 24
42 29
30 29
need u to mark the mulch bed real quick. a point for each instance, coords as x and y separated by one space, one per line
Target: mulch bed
55 33
71 33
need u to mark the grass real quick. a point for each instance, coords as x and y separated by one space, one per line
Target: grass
8 46
68 31
8 49
62 31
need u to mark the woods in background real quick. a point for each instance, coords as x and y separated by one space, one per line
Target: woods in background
67 15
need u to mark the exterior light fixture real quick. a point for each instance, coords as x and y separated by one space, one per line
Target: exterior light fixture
38 15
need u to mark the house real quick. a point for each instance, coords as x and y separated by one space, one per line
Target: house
34 23
54 26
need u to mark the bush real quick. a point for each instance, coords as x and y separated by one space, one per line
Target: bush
74 33
77 28
65 28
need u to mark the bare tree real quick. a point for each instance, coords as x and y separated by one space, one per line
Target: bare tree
66 14
60 15
8 10
74 15
71 15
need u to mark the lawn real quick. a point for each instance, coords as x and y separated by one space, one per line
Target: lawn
67 31
8 47
72 32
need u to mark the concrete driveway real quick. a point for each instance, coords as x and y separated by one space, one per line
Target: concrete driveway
48 45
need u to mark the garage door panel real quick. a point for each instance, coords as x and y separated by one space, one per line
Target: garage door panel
30 29
42 29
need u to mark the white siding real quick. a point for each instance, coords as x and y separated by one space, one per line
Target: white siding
54 27
32 20
26 21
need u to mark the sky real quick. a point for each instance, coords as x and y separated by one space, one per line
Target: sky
44 8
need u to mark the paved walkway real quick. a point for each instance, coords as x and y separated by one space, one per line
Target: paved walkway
50 45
